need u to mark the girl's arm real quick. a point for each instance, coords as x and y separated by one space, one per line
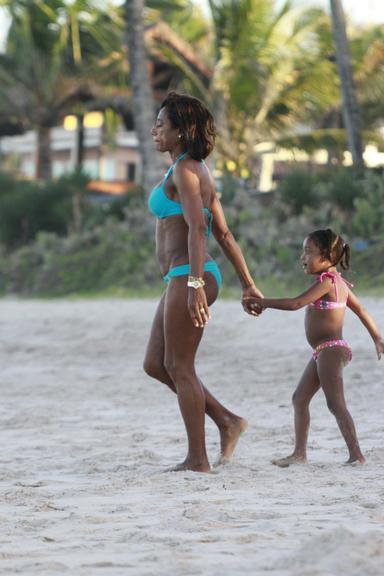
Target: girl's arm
316 291
355 305
232 251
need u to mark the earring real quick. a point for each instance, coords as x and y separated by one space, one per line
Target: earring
180 136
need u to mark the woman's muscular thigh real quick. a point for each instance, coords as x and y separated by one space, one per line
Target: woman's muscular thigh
154 355
182 338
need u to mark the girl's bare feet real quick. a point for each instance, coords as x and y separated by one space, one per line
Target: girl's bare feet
229 437
356 460
288 460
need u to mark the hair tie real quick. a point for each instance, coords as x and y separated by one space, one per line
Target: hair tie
335 242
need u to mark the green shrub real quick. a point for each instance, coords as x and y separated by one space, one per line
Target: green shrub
27 208
368 218
117 252
116 208
340 187
111 255
297 190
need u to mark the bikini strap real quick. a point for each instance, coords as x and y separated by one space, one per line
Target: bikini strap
330 275
333 278
181 157
346 282
173 166
210 220
167 174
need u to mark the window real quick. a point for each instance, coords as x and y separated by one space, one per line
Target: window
91 168
131 172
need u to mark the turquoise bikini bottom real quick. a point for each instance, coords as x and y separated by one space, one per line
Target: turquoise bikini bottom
184 269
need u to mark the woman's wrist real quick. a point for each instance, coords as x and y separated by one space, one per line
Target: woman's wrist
248 285
195 282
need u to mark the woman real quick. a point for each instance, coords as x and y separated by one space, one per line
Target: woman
188 209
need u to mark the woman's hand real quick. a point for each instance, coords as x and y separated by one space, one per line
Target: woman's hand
251 300
198 307
253 306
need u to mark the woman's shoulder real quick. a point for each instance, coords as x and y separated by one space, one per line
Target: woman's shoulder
188 162
188 166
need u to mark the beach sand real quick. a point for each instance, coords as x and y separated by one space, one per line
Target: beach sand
86 437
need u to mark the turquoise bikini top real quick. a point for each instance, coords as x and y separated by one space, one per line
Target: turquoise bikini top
162 206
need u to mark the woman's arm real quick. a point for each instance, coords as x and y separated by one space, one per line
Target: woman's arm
188 187
355 305
232 250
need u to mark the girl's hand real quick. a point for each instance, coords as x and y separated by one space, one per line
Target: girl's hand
253 306
251 300
198 307
379 344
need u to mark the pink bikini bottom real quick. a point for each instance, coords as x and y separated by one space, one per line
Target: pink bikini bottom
332 344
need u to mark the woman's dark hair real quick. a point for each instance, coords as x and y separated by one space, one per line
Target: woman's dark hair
332 246
195 122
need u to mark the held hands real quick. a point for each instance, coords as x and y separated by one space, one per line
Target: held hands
198 307
252 300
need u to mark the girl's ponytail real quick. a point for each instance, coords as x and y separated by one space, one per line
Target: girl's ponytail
345 257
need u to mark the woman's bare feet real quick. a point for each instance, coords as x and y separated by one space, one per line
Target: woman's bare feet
288 460
229 437
190 465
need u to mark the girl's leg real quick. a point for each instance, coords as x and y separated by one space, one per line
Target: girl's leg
331 362
230 426
308 386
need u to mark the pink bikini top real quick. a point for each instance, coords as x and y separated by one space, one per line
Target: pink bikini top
327 304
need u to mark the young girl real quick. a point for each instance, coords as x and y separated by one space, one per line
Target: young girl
326 301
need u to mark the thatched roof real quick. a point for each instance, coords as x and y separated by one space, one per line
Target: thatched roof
9 127
160 36
168 53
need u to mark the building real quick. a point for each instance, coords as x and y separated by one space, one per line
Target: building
117 164
113 167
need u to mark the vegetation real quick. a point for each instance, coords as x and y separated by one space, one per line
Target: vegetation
267 68
53 63
114 250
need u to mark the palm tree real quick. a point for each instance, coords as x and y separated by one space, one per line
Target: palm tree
368 56
350 107
367 52
45 72
33 86
269 71
272 67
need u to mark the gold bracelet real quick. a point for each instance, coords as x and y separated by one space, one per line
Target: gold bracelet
195 282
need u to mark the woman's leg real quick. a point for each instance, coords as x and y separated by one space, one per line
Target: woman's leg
308 386
182 339
230 425
331 362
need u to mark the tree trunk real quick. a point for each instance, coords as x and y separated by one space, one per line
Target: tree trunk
143 103
350 106
79 142
43 154
77 210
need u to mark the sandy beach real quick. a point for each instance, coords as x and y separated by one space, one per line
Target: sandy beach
86 437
